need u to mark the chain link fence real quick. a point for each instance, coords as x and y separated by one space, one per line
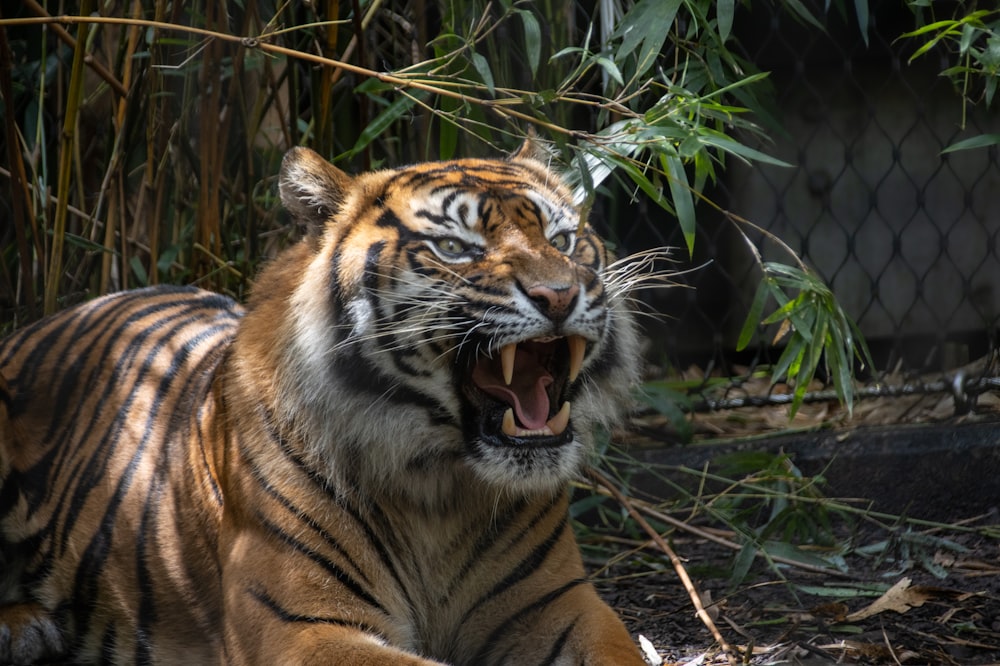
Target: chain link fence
907 237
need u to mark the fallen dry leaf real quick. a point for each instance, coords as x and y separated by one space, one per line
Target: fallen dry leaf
900 598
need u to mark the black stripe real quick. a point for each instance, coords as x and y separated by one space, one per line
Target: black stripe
503 629
146 616
338 496
525 568
388 219
558 646
328 538
325 563
488 539
364 377
285 615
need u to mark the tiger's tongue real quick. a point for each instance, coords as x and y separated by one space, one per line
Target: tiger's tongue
526 392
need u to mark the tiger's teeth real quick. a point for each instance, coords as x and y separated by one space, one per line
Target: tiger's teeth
557 424
577 348
509 427
553 427
507 353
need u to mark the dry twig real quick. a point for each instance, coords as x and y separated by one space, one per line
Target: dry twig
606 483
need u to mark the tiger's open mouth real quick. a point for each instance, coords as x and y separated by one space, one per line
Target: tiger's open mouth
521 392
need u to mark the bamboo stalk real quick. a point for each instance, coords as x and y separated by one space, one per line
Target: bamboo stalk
66 150
209 107
20 198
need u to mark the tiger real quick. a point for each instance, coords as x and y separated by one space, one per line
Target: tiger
368 463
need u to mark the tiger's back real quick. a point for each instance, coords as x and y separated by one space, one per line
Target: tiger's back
101 403
368 466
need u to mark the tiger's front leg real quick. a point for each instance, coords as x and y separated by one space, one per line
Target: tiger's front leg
577 628
291 615
304 644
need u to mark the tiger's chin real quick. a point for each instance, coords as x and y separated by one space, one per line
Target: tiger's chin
519 413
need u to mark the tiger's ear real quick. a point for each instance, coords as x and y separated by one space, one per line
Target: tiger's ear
311 188
533 148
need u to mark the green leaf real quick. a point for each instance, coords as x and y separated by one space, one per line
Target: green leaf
979 141
753 316
804 14
671 404
791 552
793 354
861 11
947 24
680 192
485 73
743 560
951 31
609 66
647 23
724 11
728 145
839 363
968 35
532 39
384 120
139 270
643 182
167 256
566 51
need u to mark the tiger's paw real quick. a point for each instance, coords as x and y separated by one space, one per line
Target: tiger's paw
28 634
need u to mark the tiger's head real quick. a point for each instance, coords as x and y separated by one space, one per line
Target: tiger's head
456 321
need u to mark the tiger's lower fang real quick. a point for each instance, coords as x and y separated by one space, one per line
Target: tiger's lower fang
553 427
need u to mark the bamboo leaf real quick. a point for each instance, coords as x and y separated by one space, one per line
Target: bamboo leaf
968 34
609 66
532 39
743 560
861 12
979 141
804 14
753 316
724 11
931 27
839 365
139 271
647 23
736 148
485 73
643 182
680 192
792 355
382 121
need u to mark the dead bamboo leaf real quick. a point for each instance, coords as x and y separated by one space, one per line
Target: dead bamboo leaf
900 598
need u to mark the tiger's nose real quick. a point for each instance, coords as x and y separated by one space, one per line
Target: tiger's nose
554 303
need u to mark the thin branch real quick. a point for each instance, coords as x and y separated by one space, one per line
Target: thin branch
606 483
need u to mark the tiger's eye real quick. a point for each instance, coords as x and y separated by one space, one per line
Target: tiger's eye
450 246
561 241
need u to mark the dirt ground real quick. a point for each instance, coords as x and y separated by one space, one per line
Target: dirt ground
798 617
912 593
